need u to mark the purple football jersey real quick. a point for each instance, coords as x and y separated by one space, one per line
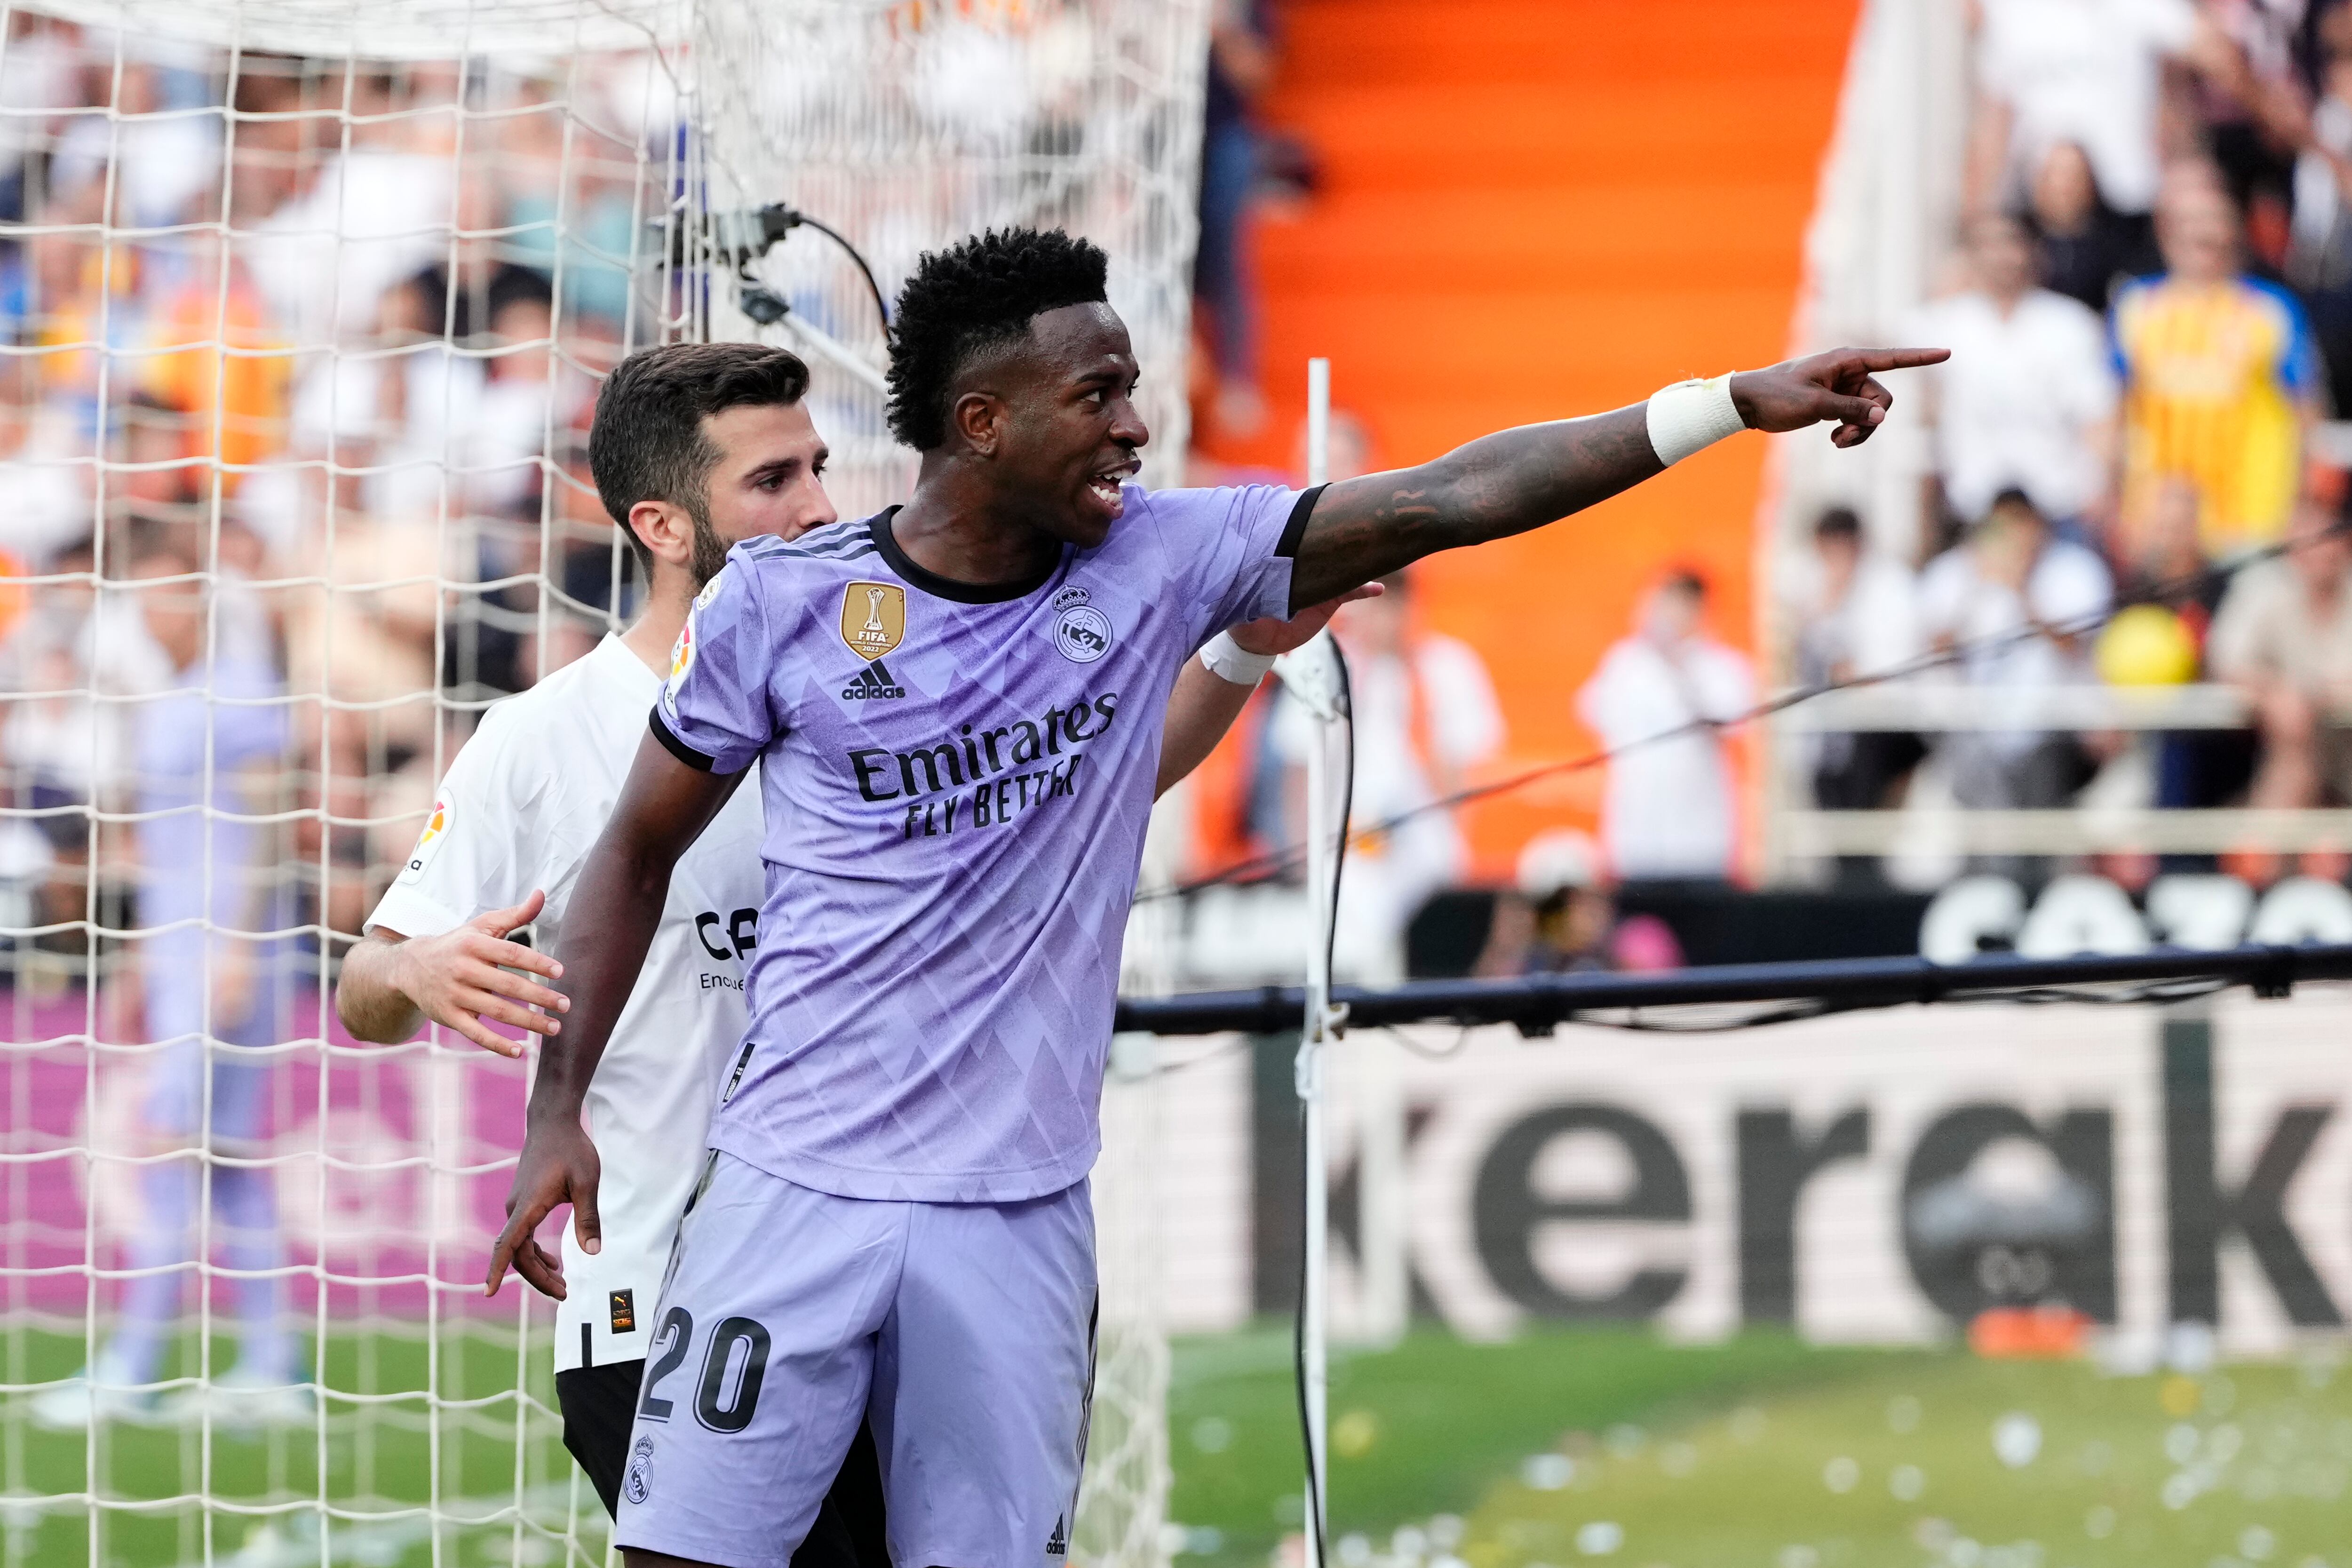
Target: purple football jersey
957 782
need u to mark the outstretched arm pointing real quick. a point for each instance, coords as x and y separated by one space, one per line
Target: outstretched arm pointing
1519 479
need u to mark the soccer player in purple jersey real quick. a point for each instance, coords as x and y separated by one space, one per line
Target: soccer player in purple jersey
696 447
895 1219
211 756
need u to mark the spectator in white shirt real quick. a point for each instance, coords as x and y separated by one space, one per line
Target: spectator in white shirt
1425 715
1668 812
159 165
43 468
2086 71
2029 396
375 211
2022 605
1857 614
2283 637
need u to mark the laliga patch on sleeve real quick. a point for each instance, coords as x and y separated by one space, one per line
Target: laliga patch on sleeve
624 1311
682 654
681 661
429 842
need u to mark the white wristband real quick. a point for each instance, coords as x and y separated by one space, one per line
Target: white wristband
1228 660
1692 414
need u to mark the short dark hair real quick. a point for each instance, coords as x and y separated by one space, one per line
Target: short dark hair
973 295
518 286
1839 522
2012 498
1687 580
647 442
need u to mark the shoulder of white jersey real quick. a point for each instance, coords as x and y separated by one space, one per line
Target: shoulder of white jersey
836 542
541 706
514 729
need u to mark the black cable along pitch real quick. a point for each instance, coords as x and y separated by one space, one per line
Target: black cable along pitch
1277 862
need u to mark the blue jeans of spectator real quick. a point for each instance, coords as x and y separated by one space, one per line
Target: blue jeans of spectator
1221 278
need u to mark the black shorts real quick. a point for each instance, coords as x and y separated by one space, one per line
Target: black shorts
599 1403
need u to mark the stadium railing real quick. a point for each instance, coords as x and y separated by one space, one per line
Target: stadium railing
2093 825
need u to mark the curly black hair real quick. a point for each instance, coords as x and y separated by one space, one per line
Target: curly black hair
972 296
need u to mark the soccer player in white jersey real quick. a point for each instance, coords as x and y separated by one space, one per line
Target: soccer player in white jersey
895 1222
695 448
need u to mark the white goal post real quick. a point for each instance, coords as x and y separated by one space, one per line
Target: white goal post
307 302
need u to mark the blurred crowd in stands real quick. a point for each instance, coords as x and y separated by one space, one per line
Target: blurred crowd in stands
1246 165
2150 314
294 412
366 453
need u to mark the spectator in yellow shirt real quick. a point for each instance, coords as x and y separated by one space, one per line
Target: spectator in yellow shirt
2220 377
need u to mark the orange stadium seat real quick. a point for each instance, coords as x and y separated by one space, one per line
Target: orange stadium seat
1532 208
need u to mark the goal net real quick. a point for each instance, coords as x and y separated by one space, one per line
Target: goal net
307 304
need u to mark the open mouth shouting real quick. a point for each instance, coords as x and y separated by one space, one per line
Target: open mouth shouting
1105 484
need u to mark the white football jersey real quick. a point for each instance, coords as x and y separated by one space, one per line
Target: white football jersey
522 805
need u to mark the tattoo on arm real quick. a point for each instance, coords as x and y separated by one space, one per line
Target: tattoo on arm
1491 489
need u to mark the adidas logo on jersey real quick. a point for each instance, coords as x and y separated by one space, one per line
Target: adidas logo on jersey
1059 1543
872 682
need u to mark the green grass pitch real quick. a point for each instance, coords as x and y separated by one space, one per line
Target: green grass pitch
493 1462
1608 1448
1582 1448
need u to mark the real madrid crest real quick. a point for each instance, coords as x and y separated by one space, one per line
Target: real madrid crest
1081 631
873 618
639 1484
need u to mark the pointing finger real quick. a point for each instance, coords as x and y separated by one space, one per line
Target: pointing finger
1900 359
